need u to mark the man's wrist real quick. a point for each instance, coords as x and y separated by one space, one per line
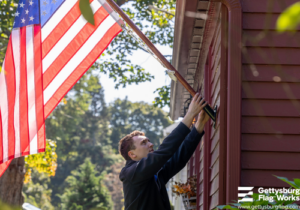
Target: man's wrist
200 128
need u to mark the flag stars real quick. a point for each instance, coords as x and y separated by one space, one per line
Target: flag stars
31 18
44 13
26 12
23 20
45 3
17 14
53 1
31 3
22 5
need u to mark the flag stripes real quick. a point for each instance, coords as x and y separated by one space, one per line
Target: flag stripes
66 78
57 26
59 16
69 45
41 65
70 54
39 99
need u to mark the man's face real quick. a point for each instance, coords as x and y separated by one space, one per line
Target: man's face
142 147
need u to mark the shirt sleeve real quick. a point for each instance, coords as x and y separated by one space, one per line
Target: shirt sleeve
148 166
182 156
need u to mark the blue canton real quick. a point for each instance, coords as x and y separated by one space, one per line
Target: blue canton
27 13
48 8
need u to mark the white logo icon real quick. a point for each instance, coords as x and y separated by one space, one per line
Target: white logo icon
246 191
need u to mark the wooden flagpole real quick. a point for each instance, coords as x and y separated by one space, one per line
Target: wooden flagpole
167 64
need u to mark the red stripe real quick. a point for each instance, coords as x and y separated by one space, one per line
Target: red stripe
4 166
1 139
73 47
11 94
24 128
82 68
61 28
39 87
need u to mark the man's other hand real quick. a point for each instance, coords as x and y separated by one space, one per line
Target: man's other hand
202 120
195 107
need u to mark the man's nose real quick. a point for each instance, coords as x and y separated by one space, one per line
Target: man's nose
151 145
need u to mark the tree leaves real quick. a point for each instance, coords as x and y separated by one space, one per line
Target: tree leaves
164 97
86 11
289 18
44 162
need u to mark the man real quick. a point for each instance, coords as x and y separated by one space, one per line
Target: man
147 171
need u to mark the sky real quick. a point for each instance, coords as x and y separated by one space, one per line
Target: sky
143 91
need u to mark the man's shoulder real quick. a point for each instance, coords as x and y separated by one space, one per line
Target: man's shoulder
127 171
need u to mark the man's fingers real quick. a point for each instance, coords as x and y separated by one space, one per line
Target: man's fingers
198 99
202 101
195 97
203 105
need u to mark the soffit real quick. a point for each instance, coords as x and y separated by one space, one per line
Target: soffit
188 37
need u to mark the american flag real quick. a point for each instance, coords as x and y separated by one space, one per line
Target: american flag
51 46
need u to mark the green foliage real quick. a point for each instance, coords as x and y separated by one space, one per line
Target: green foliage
164 97
289 19
127 117
37 192
5 206
156 25
288 204
85 189
44 162
86 11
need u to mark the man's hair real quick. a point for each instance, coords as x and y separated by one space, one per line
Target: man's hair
126 144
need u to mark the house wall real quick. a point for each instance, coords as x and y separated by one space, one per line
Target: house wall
209 160
217 89
270 142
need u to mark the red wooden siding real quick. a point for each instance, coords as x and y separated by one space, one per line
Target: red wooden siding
270 129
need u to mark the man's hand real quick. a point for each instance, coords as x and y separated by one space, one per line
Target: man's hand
202 120
194 108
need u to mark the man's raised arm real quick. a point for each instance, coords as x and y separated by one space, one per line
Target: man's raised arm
154 161
186 149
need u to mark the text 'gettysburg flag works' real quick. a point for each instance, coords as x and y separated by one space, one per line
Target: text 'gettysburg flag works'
51 46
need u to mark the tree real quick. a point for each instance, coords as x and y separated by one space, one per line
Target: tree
80 125
85 189
114 185
37 192
127 117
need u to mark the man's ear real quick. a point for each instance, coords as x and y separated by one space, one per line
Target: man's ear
131 155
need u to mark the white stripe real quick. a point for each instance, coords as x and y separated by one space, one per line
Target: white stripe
57 17
4 113
245 188
78 58
67 38
31 88
17 60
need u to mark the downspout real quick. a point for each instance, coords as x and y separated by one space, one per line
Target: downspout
233 170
